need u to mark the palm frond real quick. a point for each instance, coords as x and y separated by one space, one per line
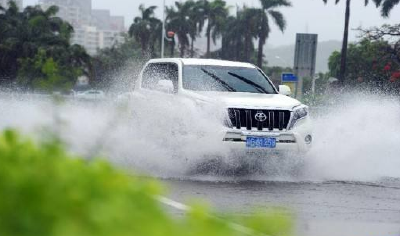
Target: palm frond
377 2
269 4
279 19
387 6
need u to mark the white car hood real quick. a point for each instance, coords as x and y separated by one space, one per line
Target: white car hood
252 100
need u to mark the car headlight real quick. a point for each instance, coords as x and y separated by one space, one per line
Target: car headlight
299 113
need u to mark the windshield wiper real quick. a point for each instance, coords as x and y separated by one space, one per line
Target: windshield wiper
247 81
219 80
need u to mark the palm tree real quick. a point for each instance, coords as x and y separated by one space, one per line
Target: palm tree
179 21
232 39
145 27
343 54
216 13
387 6
238 34
38 34
249 22
268 9
197 18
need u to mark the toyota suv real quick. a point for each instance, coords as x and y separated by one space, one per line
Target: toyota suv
258 115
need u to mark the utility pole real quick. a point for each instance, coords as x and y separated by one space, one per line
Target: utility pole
163 31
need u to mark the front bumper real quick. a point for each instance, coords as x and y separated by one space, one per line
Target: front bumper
294 140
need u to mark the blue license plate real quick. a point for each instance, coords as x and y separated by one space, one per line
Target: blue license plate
260 142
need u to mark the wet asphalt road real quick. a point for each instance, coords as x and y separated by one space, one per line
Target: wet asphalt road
323 209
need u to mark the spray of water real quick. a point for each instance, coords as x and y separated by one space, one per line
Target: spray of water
168 138
357 140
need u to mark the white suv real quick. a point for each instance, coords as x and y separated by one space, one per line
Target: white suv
258 115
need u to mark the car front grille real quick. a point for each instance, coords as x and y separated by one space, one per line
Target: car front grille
259 119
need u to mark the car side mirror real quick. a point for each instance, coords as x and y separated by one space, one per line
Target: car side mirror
165 86
285 90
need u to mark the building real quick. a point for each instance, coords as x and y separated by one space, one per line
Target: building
93 29
93 39
88 37
76 12
117 23
103 20
20 4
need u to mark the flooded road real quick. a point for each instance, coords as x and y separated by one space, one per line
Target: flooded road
322 208
347 185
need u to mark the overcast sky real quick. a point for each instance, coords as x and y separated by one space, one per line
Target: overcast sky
310 16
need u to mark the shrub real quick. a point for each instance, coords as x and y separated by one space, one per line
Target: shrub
46 192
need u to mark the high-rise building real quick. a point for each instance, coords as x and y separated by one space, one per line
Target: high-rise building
93 39
93 29
103 20
117 23
88 37
76 12
4 3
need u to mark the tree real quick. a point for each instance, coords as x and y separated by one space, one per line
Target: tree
388 33
238 34
179 20
268 9
198 19
146 29
38 36
387 6
369 64
251 20
216 13
232 38
342 73
46 74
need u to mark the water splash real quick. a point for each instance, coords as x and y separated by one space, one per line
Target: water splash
354 141
357 139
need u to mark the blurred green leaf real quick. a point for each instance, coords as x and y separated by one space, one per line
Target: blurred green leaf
45 191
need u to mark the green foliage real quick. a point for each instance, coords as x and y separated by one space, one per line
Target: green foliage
44 74
334 64
321 87
250 24
37 36
146 29
182 21
369 63
269 11
387 6
216 13
238 33
44 191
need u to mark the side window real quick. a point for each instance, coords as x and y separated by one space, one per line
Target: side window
155 72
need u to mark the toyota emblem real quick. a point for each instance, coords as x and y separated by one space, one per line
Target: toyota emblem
261 117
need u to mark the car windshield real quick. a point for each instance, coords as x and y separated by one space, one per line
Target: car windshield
225 79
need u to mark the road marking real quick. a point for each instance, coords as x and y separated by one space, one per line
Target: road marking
172 203
182 207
